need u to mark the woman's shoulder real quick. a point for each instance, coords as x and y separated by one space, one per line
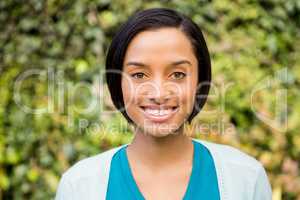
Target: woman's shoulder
231 155
86 179
91 166
239 171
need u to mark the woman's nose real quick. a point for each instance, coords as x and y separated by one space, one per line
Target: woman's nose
159 92
160 97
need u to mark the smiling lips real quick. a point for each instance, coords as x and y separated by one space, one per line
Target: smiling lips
159 113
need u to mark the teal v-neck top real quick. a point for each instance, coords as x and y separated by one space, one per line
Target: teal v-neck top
203 183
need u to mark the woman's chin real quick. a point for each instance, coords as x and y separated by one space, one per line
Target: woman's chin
157 131
159 134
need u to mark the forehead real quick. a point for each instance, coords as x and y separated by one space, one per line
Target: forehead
162 44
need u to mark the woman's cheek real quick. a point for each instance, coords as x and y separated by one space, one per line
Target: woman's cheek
187 96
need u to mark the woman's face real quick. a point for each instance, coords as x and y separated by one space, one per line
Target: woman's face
159 81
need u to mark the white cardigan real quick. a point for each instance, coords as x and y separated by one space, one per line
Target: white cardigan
240 176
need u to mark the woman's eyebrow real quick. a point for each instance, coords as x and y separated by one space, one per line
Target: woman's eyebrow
136 64
139 64
181 62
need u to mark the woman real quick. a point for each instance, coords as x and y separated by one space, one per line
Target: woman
158 73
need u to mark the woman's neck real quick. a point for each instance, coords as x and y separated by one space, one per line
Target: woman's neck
160 151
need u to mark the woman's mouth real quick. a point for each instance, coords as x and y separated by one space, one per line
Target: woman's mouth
159 114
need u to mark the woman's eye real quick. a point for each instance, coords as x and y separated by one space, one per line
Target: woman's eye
138 75
178 75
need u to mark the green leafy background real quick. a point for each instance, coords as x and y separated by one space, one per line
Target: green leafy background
64 42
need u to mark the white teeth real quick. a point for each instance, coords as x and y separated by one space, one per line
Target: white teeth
158 112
